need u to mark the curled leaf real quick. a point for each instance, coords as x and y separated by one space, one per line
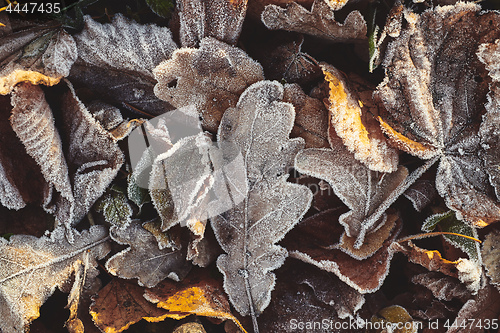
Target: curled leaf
490 253
319 21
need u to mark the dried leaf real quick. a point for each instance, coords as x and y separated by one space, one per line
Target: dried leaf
210 78
120 304
442 287
39 54
115 207
314 241
397 315
358 187
421 194
491 253
31 268
311 117
198 294
221 19
319 21
190 328
117 61
435 91
352 112
143 259
259 127
448 222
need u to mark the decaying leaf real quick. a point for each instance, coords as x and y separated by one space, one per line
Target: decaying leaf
116 60
491 254
311 117
319 21
442 287
32 268
143 259
39 54
435 90
259 127
352 117
115 207
198 294
120 304
221 19
190 328
210 78
397 316
315 241
358 187
421 193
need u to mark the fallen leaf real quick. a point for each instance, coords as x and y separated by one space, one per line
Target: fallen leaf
197 294
396 316
116 61
443 287
161 8
190 328
210 78
115 207
220 19
490 253
421 193
318 22
311 117
313 241
143 259
120 304
358 187
352 117
39 54
32 268
435 91
259 128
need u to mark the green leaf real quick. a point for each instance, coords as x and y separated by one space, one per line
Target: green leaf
137 194
448 222
161 8
115 207
7 235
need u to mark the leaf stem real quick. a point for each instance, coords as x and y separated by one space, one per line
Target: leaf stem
436 233
370 221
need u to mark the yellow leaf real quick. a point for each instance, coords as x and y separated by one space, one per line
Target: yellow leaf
18 75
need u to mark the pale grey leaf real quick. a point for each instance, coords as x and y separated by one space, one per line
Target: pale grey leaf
32 268
421 194
491 255
442 287
210 78
318 22
259 127
124 45
10 196
143 259
37 54
220 19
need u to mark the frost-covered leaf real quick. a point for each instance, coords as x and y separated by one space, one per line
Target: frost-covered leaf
161 8
198 294
115 207
120 304
398 316
311 117
448 222
442 287
319 21
421 193
352 111
491 256
316 241
32 268
210 78
143 259
358 187
40 54
435 91
116 60
259 127
221 19
111 119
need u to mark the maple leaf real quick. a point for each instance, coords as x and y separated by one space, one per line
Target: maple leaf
221 19
39 54
211 78
32 268
318 22
435 90
259 127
